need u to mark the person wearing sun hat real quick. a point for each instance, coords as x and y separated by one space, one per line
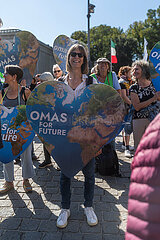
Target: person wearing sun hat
103 74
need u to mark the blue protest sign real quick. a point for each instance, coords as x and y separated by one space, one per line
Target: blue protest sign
16 132
155 65
61 46
23 50
73 130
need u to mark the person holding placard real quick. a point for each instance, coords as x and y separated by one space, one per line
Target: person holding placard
13 96
1 142
77 68
143 98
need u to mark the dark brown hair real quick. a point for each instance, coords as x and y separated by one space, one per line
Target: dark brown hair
123 70
14 70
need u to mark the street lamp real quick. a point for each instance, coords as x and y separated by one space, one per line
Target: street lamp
90 10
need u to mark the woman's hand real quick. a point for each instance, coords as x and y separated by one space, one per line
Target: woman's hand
158 96
27 92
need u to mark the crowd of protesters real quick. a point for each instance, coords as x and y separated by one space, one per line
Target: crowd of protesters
135 88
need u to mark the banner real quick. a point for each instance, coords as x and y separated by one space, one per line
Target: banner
155 65
74 129
23 50
61 46
16 132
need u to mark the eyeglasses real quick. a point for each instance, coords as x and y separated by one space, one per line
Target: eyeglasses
57 71
74 54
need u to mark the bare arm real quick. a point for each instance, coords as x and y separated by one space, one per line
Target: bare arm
158 95
119 91
27 92
124 96
139 105
1 100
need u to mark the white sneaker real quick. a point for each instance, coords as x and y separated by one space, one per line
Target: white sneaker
91 216
123 147
63 217
131 148
127 153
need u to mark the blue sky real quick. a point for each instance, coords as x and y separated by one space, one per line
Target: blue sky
50 18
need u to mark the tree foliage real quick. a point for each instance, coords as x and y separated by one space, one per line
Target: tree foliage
129 44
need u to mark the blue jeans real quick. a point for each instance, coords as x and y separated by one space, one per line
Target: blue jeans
89 182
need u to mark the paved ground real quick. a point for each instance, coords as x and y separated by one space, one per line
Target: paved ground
33 216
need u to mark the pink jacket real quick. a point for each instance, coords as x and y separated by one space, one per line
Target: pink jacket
144 192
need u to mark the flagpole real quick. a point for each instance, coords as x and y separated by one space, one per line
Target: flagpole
111 56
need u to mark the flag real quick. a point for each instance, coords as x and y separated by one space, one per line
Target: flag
145 54
113 53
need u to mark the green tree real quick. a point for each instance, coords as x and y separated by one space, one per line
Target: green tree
152 27
135 31
126 51
129 44
80 35
100 40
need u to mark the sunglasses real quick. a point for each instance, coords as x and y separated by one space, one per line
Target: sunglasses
74 54
57 71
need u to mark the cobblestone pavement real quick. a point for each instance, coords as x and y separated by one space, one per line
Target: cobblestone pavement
33 216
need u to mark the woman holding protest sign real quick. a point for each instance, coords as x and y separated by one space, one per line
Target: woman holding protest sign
77 68
13 96
143 98
1 143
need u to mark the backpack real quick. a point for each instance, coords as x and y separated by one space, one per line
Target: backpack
107 162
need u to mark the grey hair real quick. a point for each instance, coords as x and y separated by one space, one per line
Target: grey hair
56 66
144 65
